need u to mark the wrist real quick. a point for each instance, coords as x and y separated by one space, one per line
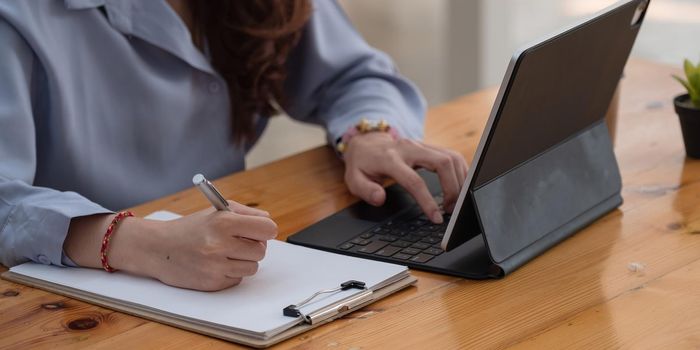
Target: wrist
132 247
363 128
371 138
367 146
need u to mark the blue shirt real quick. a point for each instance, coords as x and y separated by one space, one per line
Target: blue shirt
105 104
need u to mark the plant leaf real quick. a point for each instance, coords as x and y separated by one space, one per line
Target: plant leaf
694 82
684 83
689 68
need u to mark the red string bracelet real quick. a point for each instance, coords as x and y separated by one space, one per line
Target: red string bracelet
108 235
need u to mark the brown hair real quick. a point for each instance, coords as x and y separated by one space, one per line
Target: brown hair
249 42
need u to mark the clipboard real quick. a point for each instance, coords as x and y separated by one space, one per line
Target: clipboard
329 314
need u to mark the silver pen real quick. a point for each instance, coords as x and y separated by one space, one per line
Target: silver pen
209 191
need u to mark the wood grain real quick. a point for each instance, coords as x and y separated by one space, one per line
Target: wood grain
661 314
579 294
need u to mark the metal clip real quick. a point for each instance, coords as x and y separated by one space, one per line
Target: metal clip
324 313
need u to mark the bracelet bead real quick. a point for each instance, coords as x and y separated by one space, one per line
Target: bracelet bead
363 127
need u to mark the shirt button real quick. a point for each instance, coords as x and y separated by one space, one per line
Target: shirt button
214 87
43 259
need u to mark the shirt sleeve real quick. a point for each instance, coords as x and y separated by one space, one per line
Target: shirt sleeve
34 220
336 79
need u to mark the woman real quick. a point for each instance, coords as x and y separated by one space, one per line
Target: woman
111 103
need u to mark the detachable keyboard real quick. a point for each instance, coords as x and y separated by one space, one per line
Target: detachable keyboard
409 238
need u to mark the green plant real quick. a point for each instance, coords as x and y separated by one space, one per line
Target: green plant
692 84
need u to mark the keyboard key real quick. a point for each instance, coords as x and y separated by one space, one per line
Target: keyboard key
367 235
360 241
421 245
401 244
377 230
432 228
411 251
373 247
418 222
403 226
422 258
412 238
398 232
402 256
438 235
430 240
433 251
387 251
346 246
423 233
389 239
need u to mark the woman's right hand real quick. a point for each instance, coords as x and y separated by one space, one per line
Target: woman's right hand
209 250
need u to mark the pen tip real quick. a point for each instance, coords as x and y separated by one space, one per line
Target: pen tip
198 179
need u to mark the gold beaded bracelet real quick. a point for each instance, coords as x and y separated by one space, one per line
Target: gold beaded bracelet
365 126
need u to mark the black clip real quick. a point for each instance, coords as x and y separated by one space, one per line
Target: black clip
293 310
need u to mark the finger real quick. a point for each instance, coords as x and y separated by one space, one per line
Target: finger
241 268
362 186
440 162
233 281
460 166
257 228
459 163
245 249
246 210
414 184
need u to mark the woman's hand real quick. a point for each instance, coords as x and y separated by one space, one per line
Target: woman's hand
373 156
212 250
209 250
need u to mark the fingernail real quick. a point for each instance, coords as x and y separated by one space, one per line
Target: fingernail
376 197
437 217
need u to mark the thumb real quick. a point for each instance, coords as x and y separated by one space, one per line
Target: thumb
362 186
239 208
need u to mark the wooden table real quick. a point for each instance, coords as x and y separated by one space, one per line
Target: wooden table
579 294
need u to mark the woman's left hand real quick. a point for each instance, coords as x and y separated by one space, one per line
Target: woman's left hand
373 156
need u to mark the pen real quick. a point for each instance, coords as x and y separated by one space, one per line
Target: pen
209 191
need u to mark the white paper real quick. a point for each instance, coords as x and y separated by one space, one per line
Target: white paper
287 275
163 215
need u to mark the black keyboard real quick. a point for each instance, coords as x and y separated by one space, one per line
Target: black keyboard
406 239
